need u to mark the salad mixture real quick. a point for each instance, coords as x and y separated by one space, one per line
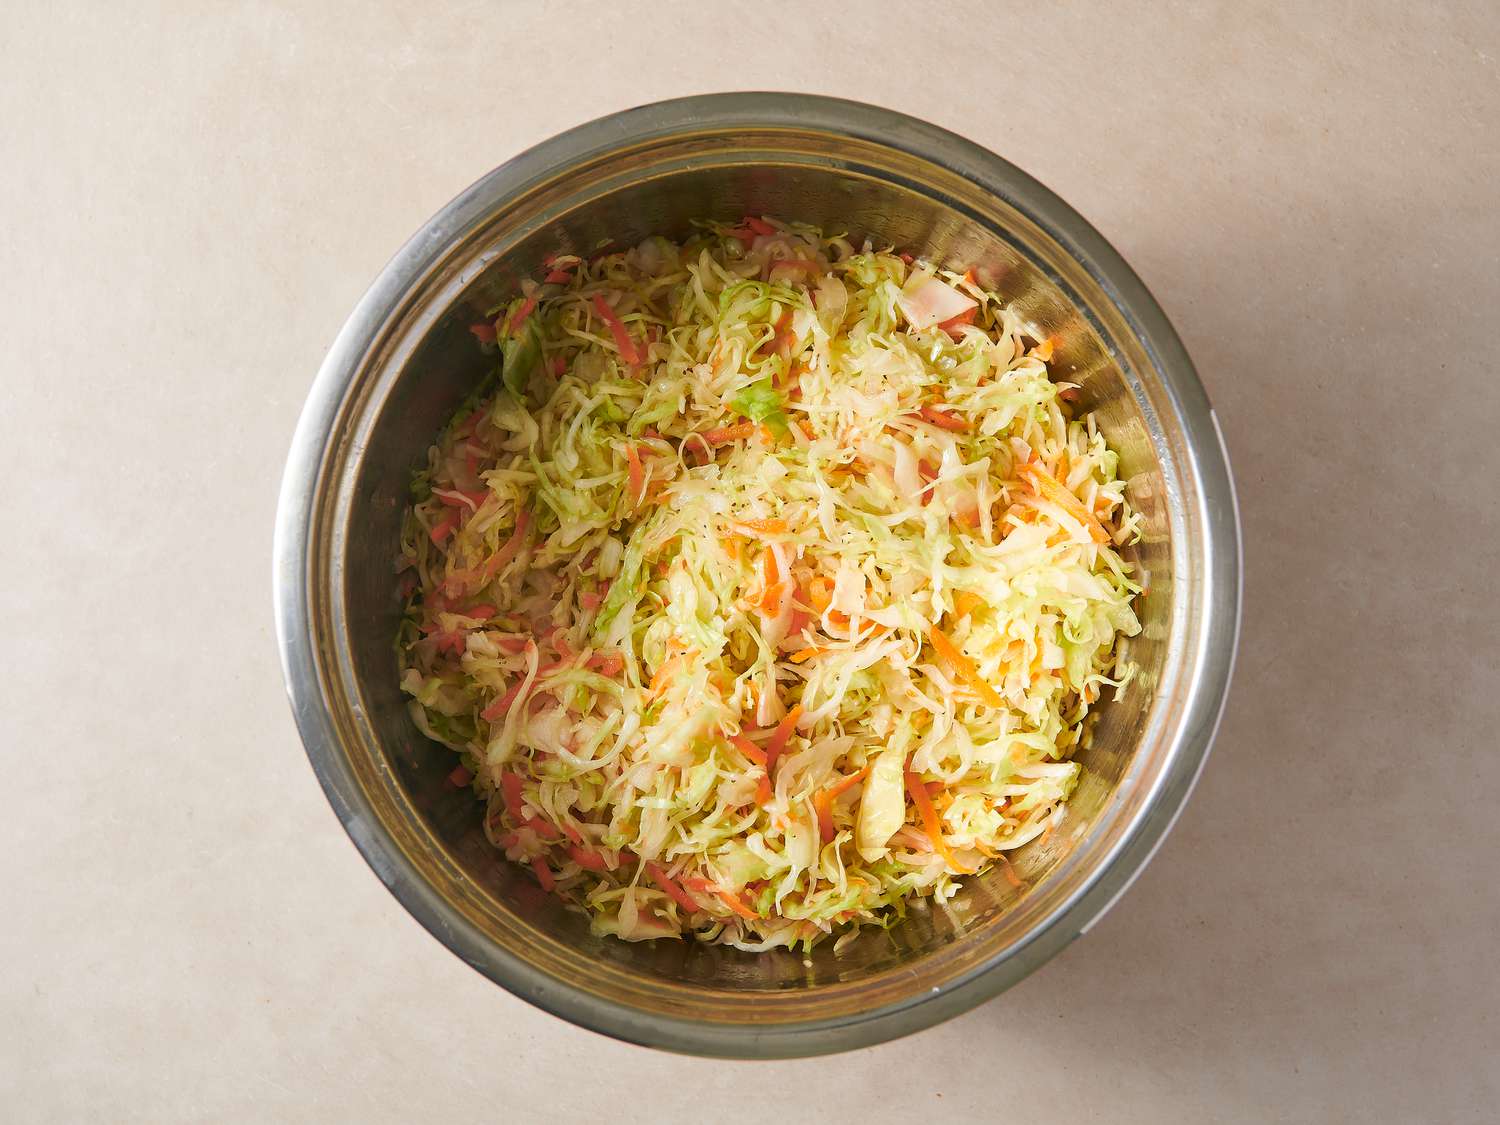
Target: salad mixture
766 584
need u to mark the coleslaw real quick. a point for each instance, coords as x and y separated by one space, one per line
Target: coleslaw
767 584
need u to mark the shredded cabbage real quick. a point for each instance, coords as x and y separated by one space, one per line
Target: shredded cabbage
769 584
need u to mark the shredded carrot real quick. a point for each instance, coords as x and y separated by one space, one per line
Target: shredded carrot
1043 351
823 807
966 603
585 857
628 350
669 885
543 873
954 323
732 900
823 800
609 664
518 318
778 740
457 498
803 655
930 822
963 666
465 428
820 592
665 673
723 435
546 831
510 789
763 792
1009 870
844 784
444 527
558 277
772 574
944 420
1045 485
749 749
637 473
770 601
498 708
474 580
769 527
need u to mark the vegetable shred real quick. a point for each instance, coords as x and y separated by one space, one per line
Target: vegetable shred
766 587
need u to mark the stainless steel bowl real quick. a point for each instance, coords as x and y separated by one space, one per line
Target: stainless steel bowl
405 359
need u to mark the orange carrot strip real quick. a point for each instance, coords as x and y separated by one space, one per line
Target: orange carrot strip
543 873
770 526
542 828
763 791
749 749
823 801
954 323
732 900
965 604
510 788
820 592
963 666
823 806
666 883
664 674
444 526
474 580
518 318
589 859
770 601
723 435
923 800
777 742
843 784
628 350
607 663
1010 871
457 498
944 420
637 473
1044 484
500 706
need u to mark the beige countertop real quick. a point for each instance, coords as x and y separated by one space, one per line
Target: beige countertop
195 195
